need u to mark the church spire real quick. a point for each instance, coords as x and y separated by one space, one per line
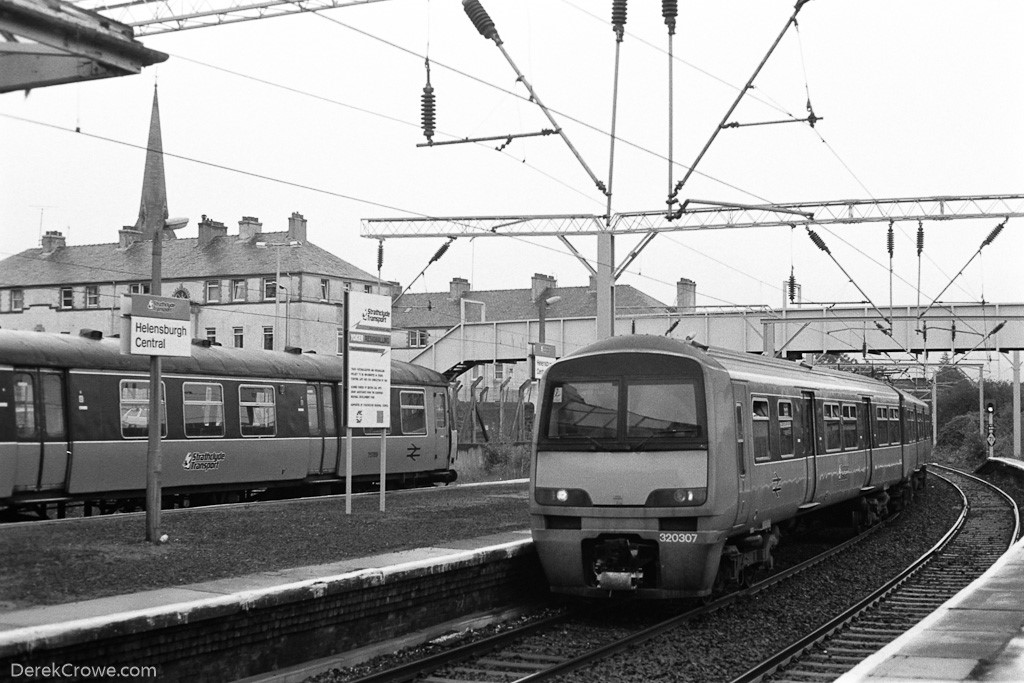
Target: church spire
153 208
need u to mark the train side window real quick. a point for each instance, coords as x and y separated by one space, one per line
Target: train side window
25 406
894 425
413 412
833 427
740 455
312 410
53 406
330 416
849 427
882 419
135 408
786 429
257 410
440 410
203 408
761 424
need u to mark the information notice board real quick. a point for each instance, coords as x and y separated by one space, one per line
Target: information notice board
367 360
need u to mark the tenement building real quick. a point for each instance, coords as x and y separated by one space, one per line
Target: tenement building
231 281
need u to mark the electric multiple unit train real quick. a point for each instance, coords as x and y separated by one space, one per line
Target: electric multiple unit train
664 469
74 424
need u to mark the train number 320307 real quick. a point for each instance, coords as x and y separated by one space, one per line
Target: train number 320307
677 538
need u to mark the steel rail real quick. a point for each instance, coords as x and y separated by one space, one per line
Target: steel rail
412 670
784 657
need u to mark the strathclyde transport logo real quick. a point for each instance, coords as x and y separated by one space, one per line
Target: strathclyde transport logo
158 306
203 462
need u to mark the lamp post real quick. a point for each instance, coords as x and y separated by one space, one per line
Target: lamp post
291 244
542 307
153 452
287 306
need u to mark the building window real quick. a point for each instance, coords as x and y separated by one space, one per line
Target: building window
325 289
17 299
238 290
236 332
211 335
499 372
268 338
418 339
212 291
269 288
341 341
67 299
368 289
138 288
92 296
348 286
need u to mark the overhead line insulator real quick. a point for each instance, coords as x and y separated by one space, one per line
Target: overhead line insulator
619 18
820 243
992 235
920 238
669 10
889 239
478 15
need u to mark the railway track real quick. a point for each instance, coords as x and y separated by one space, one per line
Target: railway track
988 526
565 642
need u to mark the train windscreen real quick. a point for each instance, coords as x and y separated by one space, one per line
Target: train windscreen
634 406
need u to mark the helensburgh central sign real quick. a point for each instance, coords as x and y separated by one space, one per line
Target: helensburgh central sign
157 326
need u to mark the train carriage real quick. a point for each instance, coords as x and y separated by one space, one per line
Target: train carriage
661 467
74 423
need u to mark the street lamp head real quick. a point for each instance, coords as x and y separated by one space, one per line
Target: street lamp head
261 245
552 300
176 223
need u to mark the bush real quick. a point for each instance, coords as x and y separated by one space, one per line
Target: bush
960 443
507 460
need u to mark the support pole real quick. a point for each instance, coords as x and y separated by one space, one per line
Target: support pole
1016 405
153 454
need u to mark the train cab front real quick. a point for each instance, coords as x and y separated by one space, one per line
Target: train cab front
620 482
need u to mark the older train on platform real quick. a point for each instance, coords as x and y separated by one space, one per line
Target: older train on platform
235 424
665 469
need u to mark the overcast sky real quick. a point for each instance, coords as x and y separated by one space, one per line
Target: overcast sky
916 97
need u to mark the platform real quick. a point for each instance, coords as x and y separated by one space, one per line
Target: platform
233 627
978 635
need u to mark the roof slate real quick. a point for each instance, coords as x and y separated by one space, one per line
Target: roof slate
223 257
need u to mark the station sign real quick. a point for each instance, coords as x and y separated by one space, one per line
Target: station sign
367 360
157 326
541 358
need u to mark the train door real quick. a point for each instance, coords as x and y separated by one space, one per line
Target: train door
442 436
869 438
42 448
904 450
741 399
808 442
322 416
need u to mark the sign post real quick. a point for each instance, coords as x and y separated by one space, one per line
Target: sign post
157 326
991 439
541 357
367 376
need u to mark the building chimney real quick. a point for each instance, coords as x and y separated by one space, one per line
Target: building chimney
52 241
458 288
539 284
686 296
210 229
297 227
127 236
249 227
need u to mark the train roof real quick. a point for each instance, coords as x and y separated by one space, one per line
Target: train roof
747 366
45 349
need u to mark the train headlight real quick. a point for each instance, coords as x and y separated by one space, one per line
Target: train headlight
562 496
677 497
